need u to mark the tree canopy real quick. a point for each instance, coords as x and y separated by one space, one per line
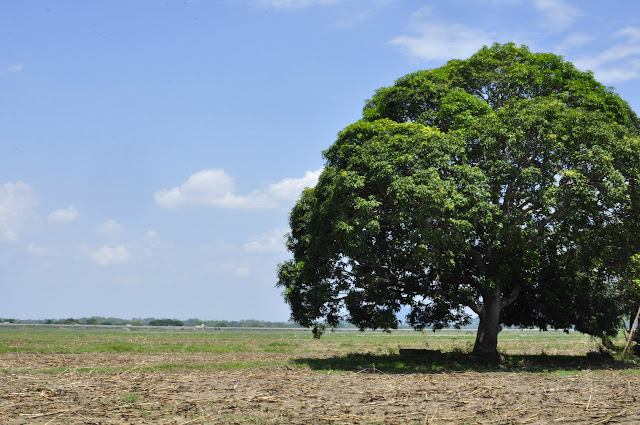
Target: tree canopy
506 184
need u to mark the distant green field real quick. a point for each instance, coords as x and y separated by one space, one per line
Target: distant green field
341 350
74 340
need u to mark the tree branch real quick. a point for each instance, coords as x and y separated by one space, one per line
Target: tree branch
477 309
511 297
506 199
537 235
524 203
478 259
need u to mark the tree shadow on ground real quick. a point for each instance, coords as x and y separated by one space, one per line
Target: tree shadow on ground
430 361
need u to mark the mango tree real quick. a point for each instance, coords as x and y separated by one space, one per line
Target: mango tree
506 184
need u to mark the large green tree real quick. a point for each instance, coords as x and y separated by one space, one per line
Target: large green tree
507 184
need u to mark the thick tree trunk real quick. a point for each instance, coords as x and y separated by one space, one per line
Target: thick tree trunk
487 338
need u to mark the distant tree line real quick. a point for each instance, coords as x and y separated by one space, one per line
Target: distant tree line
152 321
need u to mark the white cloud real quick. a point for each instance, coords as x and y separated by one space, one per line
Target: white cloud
17 206
15 68
212 188
272 241
620 62
216 189
63 216
111 255
110 229
291 188
436 39
558 14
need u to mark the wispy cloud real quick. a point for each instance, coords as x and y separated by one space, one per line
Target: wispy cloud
619 62
17 206
15 68
296 4
435 39
12 69
242 272
301 4
271 241
110 229
574 41
63 215
558 14
216 189
122 246
152 240
349 12
111 255
39 251
360 12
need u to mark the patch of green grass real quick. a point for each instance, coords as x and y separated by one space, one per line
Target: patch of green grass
217 348
138 347
279 347
129 398
630 372
151 368
69 342
212 366
116 347
7 349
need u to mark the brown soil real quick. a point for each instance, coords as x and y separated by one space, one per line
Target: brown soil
284 394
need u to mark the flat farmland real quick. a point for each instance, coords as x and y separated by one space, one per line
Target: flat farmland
78 375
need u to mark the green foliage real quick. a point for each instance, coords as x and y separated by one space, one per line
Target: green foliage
506 183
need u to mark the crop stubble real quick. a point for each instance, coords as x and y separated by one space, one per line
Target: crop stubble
285 393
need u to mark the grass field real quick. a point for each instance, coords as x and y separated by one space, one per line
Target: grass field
78 375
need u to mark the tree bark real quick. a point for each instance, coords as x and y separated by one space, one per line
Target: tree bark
486 345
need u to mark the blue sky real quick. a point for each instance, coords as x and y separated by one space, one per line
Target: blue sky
150 151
